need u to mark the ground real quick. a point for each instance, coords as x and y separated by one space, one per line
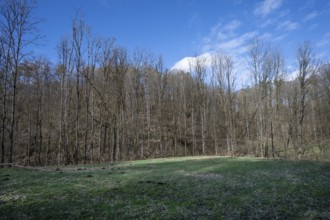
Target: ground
173 188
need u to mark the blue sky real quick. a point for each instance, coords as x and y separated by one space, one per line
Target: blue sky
178 29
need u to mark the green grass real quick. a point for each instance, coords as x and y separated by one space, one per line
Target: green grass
174 188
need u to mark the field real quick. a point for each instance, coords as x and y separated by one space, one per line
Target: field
173 188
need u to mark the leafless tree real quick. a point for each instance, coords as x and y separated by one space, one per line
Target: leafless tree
198 69
306 69
18 31
64 69
222 68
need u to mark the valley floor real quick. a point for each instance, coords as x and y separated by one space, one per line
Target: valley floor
172 188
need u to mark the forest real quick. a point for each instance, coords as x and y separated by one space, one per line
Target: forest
99 102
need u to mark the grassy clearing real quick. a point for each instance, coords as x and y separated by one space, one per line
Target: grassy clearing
174 188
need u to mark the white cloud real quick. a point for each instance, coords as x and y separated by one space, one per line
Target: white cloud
103 3
231 26
185 63
284 13
288 26
308 4
236 47
267 6
310 16
291 75
231 44
280 37
325 41
219 33
241 74
313 26
222 32
193 21
267 23
224 37
237 42
266 36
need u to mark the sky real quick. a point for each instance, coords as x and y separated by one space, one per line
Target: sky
179 29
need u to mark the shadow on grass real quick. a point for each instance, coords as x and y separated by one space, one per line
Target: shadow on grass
176 188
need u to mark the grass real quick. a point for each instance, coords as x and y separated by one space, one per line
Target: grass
174 188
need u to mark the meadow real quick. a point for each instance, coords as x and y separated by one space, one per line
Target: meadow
172 188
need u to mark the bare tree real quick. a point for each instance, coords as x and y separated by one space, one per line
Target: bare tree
162 77
261 66
323 84
64 69
199 72
119 69
18 31
4 95
276 129
78 31
306 68
102 103
37 73
93 47
230 102
222 68
183 99
140 64
104 96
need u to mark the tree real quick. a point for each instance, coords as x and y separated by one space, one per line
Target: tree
263 64
18 31
104 95
64 69
198 70
162 81
4 95
78 31
255 64
119 68
222 69
278 81
37 77
93 47
306 69
101 103
323 85
230 103
139 66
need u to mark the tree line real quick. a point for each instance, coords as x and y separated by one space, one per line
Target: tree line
99 103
